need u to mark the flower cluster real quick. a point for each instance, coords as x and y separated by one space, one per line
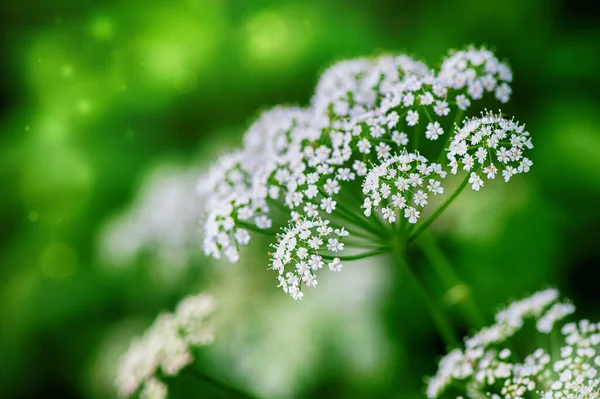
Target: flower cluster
355 149
299 246
401 183
488 366
165 347
481 141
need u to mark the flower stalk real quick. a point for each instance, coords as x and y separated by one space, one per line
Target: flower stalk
229 390
423 226
445 272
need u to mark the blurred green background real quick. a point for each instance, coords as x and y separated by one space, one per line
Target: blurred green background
99 98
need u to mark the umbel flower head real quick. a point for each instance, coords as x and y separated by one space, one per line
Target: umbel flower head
488 367
165 348
352 174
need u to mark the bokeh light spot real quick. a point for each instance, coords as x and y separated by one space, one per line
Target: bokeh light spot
33 216
456 294
267 34
102 28
84 106
55 180
67 71
58 261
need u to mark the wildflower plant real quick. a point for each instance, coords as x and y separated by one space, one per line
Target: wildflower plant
565 365
354 174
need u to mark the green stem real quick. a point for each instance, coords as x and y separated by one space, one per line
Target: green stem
279 205
359 234
439 211
360 244
341 219
448 134
442 323
228 389
445 272
416 136
555 344
358 220
427 114
251 227
357 202
357 256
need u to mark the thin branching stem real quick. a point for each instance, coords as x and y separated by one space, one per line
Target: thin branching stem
442 267
221 386
357 256
439 211
251 227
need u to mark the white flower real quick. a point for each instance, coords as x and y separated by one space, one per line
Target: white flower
412 118
420 198
315 243
335 265
441 108
360 167
462 102
389 215
334 245
242 236
401 139
435 187
263 222
364 146
392 119
503 92
383 150
475 181
426 99
475 90
433 131
411 214
331 187
490 171
328 204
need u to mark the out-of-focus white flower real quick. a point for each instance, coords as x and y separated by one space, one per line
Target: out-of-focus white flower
165 346
162 220
154 389
281 344
557 312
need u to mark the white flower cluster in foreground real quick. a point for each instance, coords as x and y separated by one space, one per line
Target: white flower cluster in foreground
352 158
165 348
488 366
